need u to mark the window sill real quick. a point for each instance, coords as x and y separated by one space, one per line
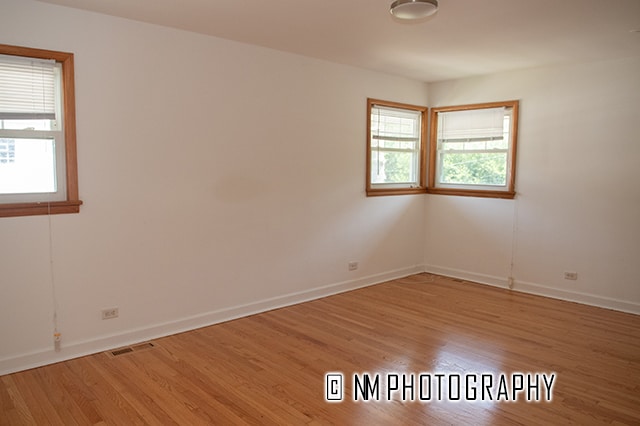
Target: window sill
509 195
42 208
373 192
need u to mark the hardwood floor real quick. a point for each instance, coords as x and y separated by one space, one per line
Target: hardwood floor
270 368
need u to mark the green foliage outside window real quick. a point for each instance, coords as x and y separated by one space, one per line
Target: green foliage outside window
474 168
397 167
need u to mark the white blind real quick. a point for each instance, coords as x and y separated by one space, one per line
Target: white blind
27 88
394 128
472 125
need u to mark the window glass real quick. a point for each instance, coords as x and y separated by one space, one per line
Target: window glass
38 167
395 147
473 149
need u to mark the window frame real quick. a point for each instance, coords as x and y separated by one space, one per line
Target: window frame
465 190
72 202
373 189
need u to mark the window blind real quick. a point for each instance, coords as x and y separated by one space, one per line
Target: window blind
476 125
27 88
393 125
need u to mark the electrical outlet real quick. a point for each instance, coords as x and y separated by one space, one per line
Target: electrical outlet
571 276
353 266
110 313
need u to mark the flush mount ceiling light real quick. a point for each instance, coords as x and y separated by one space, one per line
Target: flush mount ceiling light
413 9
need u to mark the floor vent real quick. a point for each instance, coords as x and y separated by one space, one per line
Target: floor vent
131 349
121 351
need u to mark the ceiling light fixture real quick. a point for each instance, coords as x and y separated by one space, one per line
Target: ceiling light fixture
413 9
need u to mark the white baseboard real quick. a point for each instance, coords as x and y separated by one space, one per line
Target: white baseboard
466 275
538 289
72 350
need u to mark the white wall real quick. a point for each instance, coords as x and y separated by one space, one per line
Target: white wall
578 202
218 178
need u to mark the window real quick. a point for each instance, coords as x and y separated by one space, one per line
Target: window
395 148
473 149
38 166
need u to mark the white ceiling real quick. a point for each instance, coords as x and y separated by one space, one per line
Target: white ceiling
464 38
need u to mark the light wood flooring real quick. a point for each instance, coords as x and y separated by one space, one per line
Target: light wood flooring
269 369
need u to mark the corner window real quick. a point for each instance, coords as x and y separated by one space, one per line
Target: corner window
38 166
395 148
473 150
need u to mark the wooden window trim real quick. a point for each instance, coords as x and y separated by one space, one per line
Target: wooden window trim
73 202
371 190
509 193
